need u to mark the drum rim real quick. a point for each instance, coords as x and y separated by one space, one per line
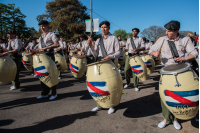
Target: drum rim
176 72
97 62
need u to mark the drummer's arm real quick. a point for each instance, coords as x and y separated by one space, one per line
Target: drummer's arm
93 45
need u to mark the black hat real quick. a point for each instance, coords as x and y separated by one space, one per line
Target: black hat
61 36
118 35
144 38
172 25
125 39
104 22
43 22
136 30
10 32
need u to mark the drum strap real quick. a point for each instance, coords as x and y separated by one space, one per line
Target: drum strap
103 50
80 44
173 49
42 42
133 45
9 46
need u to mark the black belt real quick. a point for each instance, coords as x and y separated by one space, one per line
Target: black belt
131 54
89 56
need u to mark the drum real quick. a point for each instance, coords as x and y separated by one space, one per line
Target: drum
149 62
60 62
27 61
71 53
138 67
179 90
157 60
122 58
45 69
77 65
104 83
8 69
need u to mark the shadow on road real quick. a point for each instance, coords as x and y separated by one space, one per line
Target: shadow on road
50 124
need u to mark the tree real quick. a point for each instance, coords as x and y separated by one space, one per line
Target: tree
4 19
152 32
120 32
66 17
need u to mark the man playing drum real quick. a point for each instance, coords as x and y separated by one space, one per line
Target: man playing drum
47 42
111 50
173 50
15 49
147 46
122 45
133 46
80 44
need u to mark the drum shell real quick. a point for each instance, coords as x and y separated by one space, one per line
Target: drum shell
110 75
187 84
27 61
157 60
122 58
137 61
62 62
42 60
148 59
8 69
71 55
80 63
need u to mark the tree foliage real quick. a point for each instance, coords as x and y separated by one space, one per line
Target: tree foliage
66 17
12 18
123 34
152 32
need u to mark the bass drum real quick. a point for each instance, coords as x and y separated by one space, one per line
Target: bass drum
77 65
45 69
60 62
27 61
8 69
179 90
157 60
122 58
138 67
149 63
104 83
71 53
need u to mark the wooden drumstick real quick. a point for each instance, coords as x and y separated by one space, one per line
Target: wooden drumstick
161 46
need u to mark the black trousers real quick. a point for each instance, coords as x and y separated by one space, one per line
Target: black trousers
46 89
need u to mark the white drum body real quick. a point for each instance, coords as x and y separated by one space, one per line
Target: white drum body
149 63
60 62
27 61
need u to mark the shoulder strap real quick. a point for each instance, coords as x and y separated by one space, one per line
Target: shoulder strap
173 49
42 42
133 45
9 46
80 44
103 50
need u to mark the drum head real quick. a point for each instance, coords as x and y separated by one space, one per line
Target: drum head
175 68
79 56
98 62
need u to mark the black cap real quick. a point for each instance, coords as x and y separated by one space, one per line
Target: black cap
136 30
144 38
61 36
172 25
43 22
118 35
10 32
104 22
125 39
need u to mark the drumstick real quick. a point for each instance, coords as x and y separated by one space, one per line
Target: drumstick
161 45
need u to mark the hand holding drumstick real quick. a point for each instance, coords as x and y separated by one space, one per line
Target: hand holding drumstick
157 53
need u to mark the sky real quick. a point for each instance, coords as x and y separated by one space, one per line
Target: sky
126 14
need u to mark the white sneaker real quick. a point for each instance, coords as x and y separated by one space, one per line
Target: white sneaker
39 97
119 70
13 88
95 109
126 86
162 124
53 97
177 126
32 74
35 75
110 111
59 77
137 89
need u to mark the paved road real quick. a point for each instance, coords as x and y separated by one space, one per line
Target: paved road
138 112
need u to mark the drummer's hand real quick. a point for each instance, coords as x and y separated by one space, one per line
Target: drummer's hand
42 49
180 59
5 53
156 53
133 51
107 57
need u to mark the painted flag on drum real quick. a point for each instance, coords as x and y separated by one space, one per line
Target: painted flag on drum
70 56
98 89
57 64
73 68
26 63
148 64
137 69
182 98
41 71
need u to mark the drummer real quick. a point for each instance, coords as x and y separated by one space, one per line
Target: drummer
71 46
180 45
76 46
90 56
47 42
62 47
122 45
133 48
109 49
147 46
15 49
31 45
